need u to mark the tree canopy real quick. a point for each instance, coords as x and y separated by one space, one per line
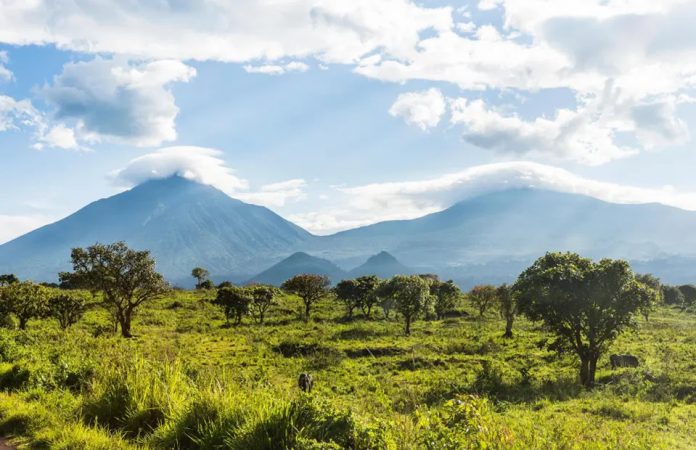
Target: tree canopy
585 304
127 278
309 287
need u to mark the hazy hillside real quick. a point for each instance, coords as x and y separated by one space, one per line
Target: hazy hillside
299 263
383 264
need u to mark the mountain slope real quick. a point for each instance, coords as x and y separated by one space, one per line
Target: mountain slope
183 223
299 263
520 224
383 264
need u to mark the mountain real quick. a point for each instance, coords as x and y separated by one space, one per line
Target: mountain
296 264
383 264
185 224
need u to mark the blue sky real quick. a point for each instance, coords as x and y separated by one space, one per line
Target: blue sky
337 114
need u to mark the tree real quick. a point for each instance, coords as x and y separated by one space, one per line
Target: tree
126 278
7 279
585 304
201 275
25 300
654 283
672 295
689 295
262 299
367 291
309 287
446 295
482 297
348 293
67 307
411 294
235 302
507 306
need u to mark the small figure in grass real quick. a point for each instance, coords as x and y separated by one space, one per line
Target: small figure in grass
305 382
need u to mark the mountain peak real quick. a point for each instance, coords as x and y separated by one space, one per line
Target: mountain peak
382 257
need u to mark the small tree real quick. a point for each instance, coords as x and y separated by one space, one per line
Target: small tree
653 283
507 306
262 299
348 293
201 275
689 295
586 304
482 297
672 295
67 307
309 287
8 279
367 291
25 300
234 302
410 294
126 278
446 296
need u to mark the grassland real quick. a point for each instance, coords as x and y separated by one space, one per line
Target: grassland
189 381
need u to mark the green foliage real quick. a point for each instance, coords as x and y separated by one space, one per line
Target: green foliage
410 293
234 302
201 275
67 307
126 278
585 304
7 279
482 297
309 287
25 300
507 306
262 298
446 295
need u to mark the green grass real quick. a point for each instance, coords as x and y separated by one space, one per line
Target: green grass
186 381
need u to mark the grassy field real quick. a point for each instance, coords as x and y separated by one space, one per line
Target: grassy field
189 381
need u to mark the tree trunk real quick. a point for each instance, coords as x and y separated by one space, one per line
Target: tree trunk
408 325
508 327
23 323
125 320
592 370
308 306
584 370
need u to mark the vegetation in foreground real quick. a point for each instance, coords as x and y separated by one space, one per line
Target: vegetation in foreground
218 368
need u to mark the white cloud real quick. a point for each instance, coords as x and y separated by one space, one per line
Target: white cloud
112 99
410 199
239 31
12 226
422 109
206 166
276 69
21 114
5 74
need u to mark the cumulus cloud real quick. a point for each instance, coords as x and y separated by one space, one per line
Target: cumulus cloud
422 109
112 99
276 69
205 166
331 30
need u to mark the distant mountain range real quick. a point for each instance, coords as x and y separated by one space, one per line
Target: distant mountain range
489 238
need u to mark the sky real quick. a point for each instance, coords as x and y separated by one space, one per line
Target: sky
338 113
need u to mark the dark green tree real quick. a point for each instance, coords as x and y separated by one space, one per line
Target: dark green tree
446 295
7 279
348 293
67 307
585 304
367 291
26 300
672 295
507 306
309 287
654 283
262 298
234 302
126 278
689 295
482 297
411 294
201 275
